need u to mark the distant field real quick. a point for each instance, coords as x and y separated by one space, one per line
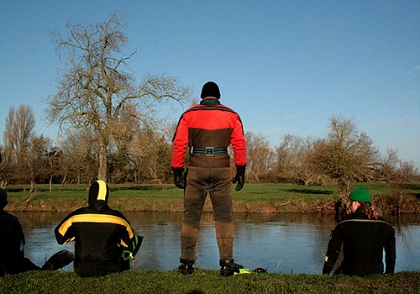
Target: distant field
268 198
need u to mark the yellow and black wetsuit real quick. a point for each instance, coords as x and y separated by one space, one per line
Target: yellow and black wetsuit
105 240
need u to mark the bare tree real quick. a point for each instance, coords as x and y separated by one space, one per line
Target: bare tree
98 83
391 169
79 156
386 167
3 169
407 171
260 156
17 139
54 162
37 159
345 155
153 158
293 159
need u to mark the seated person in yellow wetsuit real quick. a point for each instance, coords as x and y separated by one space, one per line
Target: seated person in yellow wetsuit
105 241
12 243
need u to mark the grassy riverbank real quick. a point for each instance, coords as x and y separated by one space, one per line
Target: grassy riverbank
207 281
268 198
253 198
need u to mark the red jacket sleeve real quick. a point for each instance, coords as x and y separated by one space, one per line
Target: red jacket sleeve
239 144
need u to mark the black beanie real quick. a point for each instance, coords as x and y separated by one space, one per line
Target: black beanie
210 89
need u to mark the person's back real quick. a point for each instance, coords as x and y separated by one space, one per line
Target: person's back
364 241
97 234
11 244
364 235
206 130
101 236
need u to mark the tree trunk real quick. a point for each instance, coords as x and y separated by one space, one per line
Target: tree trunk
32 186
64 180
102 161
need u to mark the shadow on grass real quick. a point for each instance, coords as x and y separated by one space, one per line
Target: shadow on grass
142 188
309 191
45 188
410 188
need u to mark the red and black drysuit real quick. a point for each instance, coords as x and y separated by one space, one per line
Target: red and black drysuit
105 240
207 130
364 241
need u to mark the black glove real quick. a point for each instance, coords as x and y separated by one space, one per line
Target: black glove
326 270
240 177
179 177
136 243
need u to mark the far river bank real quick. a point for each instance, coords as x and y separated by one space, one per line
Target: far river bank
253 198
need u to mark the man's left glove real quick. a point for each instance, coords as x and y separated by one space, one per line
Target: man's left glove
179 177
240 177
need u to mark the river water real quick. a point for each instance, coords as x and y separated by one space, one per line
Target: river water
284 243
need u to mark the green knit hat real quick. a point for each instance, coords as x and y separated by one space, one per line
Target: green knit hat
360 194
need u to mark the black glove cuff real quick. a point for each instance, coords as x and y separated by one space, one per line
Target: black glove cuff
240 168
178 170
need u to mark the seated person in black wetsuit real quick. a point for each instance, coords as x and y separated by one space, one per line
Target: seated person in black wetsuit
105 241
364 234
12 242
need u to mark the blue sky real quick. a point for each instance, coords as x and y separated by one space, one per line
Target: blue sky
286 67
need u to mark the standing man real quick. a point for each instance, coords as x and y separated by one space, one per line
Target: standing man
206 130
105 241
365 235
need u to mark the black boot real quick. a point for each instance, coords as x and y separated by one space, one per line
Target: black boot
186 267
229 268
59 260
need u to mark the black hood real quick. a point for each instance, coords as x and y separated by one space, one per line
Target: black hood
98 191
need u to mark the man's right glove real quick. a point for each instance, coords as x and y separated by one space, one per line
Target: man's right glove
240 177
179 177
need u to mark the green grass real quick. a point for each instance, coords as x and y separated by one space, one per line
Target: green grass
271 198
206 281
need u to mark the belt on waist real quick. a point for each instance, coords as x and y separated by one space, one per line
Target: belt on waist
209 151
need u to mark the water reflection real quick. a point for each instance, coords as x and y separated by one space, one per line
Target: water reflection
280 243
